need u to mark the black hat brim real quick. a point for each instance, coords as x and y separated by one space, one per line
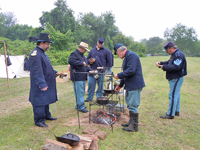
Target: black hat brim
45 41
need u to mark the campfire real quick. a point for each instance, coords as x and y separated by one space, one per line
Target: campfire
105 118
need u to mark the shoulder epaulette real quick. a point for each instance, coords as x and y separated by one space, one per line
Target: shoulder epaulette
34 53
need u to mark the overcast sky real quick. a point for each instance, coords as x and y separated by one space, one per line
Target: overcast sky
137 18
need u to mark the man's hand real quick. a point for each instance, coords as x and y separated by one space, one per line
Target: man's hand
117 89
84 64
44 89
116 76
57 74
92 60
157 64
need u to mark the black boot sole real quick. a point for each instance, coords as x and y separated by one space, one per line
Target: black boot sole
129 130
124 125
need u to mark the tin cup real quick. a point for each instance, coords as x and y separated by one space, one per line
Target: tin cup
96 76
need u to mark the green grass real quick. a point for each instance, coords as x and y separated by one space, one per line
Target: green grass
18 131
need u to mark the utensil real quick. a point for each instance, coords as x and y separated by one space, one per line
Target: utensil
68 138
108 91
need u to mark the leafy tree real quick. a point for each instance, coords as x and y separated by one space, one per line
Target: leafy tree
62 47
185 38
120 38
61 17
61 41
154 45
2 27
11 30
93 27
17 31
138 48
108 23
109 43
35 32
144 40
17 47
8 19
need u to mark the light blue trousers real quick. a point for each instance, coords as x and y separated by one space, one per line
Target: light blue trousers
79 90
174 95
92 86
133 100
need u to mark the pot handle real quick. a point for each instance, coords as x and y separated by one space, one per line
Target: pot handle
70 134
111 95
47 129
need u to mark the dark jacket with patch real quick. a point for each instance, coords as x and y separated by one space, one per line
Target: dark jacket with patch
42 75
132 75
76 60
176 66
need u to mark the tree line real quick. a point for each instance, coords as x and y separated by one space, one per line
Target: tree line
67 32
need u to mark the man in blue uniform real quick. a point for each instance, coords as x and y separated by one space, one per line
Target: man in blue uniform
132 78
99 56
176 69
42 80
78 63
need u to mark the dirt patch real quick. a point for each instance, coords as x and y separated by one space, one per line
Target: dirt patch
84 120
13 105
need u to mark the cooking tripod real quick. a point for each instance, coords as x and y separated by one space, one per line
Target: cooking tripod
109 92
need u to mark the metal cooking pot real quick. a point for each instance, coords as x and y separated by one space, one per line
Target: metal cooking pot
68 138
102 100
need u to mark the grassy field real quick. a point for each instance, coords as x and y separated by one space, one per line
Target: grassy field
18 132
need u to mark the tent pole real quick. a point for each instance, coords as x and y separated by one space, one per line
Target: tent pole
6 62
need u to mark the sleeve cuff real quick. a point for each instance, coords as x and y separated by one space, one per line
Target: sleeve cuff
118 87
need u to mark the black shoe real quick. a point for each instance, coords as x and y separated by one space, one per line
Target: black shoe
84 110
176 113
86 101
51 118
167 117
85 107
41 125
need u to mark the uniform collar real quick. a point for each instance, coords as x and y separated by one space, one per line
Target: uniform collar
100 48
79 52
40 48
125 53
175 51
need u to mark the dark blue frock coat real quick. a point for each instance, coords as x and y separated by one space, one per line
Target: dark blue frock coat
42 75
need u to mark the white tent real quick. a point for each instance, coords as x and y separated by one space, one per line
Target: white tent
14 70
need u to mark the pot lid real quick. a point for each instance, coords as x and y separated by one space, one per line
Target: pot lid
70 136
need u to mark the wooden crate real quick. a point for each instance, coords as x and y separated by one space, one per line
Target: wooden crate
62 80
66 71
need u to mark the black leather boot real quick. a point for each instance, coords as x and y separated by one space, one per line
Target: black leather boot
133 127
167 117
128 123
